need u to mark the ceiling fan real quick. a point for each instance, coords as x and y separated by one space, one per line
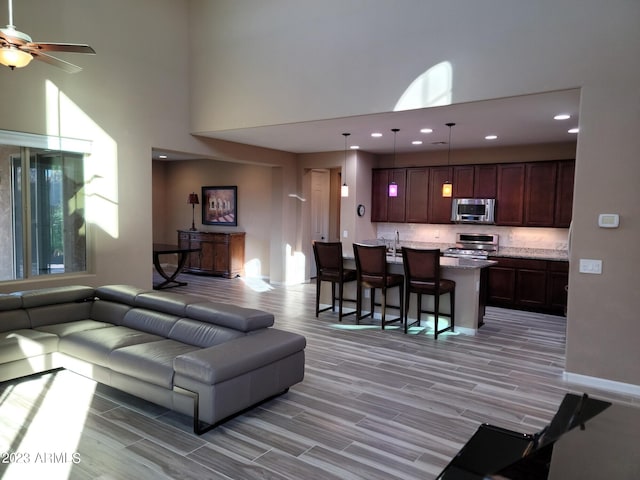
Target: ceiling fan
17 49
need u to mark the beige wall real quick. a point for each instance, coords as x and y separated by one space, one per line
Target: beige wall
289 62
261 63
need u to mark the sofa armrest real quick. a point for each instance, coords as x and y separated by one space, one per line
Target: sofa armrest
236 357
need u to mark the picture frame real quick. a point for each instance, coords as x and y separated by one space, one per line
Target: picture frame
220 205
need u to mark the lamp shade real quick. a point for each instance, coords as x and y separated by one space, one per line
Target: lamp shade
393 189
13 57
193 199
447 189
344 190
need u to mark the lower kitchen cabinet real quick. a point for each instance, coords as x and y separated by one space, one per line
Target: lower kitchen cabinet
528 284
220 253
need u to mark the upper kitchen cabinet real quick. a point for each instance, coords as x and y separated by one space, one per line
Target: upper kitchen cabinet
439 207
564 193
484 181
417 195
540 194
383 207
475 181
510 194
463 180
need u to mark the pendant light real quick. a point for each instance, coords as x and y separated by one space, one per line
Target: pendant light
447 187
344 190
393 186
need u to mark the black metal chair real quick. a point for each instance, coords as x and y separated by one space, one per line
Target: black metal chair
330 268
372 273
422 273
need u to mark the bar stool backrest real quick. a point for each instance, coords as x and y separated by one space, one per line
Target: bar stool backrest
328 256
421 264
371 260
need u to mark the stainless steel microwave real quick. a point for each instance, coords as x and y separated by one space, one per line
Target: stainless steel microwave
473 210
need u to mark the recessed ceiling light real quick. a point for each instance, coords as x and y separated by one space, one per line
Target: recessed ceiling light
562 116
417 142
162 156
376 134
426 130
354 147
491 137
573 130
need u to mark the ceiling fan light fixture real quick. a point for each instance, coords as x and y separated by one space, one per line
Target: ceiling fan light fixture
13 57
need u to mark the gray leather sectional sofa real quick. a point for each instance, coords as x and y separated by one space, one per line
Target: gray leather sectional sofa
206 359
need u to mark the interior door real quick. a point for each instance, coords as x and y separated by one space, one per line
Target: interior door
320 183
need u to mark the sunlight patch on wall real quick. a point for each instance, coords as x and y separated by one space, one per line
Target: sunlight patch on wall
66 119
295 266
430 89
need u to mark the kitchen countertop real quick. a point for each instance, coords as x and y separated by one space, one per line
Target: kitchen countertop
515 252
532 253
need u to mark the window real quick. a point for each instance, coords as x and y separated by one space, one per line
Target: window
42 226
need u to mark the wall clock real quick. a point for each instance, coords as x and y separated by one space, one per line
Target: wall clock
360 210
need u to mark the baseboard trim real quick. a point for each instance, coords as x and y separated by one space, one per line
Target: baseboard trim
602 383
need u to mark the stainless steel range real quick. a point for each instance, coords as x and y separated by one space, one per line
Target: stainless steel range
473 245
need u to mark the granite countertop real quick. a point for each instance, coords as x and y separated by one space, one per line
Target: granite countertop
532 253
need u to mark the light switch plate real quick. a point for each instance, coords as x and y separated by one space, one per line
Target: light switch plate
588 265
608 220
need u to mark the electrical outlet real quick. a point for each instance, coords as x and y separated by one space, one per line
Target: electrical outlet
588 265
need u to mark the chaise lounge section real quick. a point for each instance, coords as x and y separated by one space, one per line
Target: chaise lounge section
207 359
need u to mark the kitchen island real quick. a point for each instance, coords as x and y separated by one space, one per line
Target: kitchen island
470 284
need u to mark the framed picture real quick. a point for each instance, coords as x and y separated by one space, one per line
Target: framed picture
219 206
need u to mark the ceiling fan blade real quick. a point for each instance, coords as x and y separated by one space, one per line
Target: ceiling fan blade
56 62
58 47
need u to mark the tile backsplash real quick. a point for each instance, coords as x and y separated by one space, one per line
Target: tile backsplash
518 237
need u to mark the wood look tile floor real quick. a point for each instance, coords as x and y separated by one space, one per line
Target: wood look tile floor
373 405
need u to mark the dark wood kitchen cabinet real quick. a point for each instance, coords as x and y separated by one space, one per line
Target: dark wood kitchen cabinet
417 195
221 253
383 207
528 284
485 181
463 180
475 181
510 194
439 206
564 193
540 194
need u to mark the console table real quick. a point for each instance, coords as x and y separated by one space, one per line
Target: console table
183 255
217 253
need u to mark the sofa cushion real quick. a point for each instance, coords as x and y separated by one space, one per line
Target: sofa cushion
59 313
64 329
109 312
151 362
119 293
13 320
232 316
54 295
21 344
9 302
158 323
95 345
169 302
202 334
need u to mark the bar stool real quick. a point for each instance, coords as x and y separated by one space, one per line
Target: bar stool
329 266
422 272
371 268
